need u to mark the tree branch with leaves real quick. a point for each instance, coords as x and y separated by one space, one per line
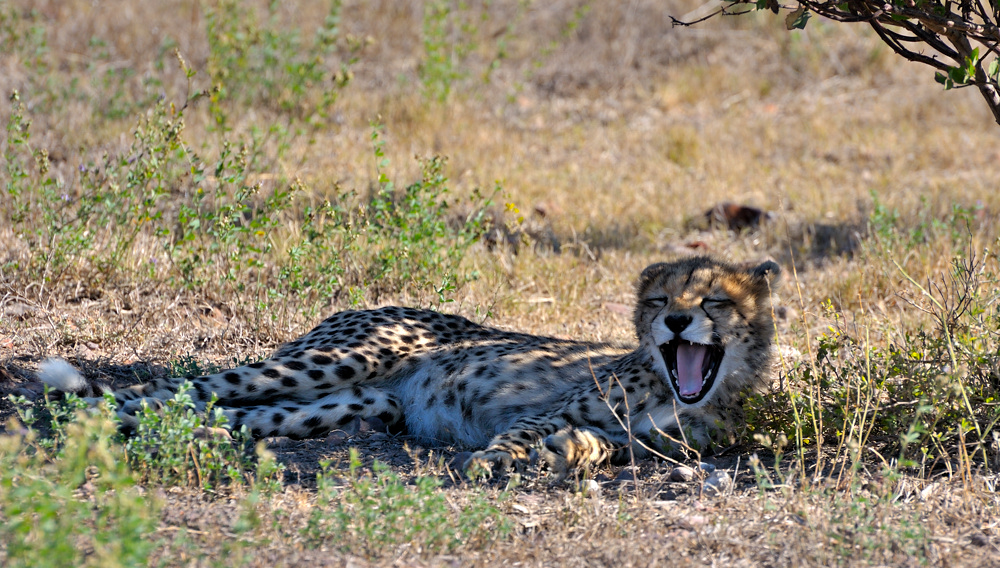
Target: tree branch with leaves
962 35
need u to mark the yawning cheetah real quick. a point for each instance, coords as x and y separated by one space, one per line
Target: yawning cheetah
704 332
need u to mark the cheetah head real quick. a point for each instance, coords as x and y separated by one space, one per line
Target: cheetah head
706 326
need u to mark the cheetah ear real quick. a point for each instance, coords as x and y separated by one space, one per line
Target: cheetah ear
768 271
650 270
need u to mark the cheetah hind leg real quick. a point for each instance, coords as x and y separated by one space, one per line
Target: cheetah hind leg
314 419
63 377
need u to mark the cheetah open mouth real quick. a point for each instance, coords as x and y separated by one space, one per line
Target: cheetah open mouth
692 368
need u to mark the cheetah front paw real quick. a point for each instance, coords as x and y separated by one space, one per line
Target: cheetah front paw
570 449
483 464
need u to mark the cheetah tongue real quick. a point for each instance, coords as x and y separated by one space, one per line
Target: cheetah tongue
690 357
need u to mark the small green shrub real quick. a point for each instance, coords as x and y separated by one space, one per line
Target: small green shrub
207 219
410 237
166 450
77 507
375 514
52 417
261 64
927 398
171 446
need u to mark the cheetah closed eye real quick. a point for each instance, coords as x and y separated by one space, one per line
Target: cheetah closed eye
703 331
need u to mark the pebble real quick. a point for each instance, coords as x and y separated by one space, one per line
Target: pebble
717 484
706 467
667 496
590 487
457 462
373 425
278 442
336 438
682 473
692 522
18 310
626 476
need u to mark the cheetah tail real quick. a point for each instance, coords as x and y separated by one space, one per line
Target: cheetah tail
63 377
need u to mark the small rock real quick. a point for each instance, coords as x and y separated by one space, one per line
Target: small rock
374 425
457 462
336 438
692 522
278 442
352 427
717 484
91 345
203 433
627 475
667 496
682 473
706 467
18 310
979 539
590 487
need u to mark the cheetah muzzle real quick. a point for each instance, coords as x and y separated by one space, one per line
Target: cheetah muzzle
703 330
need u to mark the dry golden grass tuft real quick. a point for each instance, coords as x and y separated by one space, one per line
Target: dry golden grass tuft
611 132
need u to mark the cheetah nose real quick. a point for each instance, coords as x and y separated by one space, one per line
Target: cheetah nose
677 323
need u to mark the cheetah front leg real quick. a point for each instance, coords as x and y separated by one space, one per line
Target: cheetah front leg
563 447
513 447
572 449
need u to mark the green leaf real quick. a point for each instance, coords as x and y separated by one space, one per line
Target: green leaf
796 20
944 80
994 68
970 63
958 75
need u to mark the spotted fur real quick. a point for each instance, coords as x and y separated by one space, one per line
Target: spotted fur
445 379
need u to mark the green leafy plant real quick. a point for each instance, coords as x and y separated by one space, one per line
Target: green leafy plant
926 400
374 514
211 225
77 507
411 236
254 63
176 445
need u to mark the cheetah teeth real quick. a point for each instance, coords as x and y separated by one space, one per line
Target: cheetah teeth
692 367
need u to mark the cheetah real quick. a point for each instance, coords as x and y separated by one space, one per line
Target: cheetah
703 327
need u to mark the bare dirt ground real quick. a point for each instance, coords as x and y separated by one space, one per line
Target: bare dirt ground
612 134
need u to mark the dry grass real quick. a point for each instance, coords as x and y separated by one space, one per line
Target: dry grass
615 132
